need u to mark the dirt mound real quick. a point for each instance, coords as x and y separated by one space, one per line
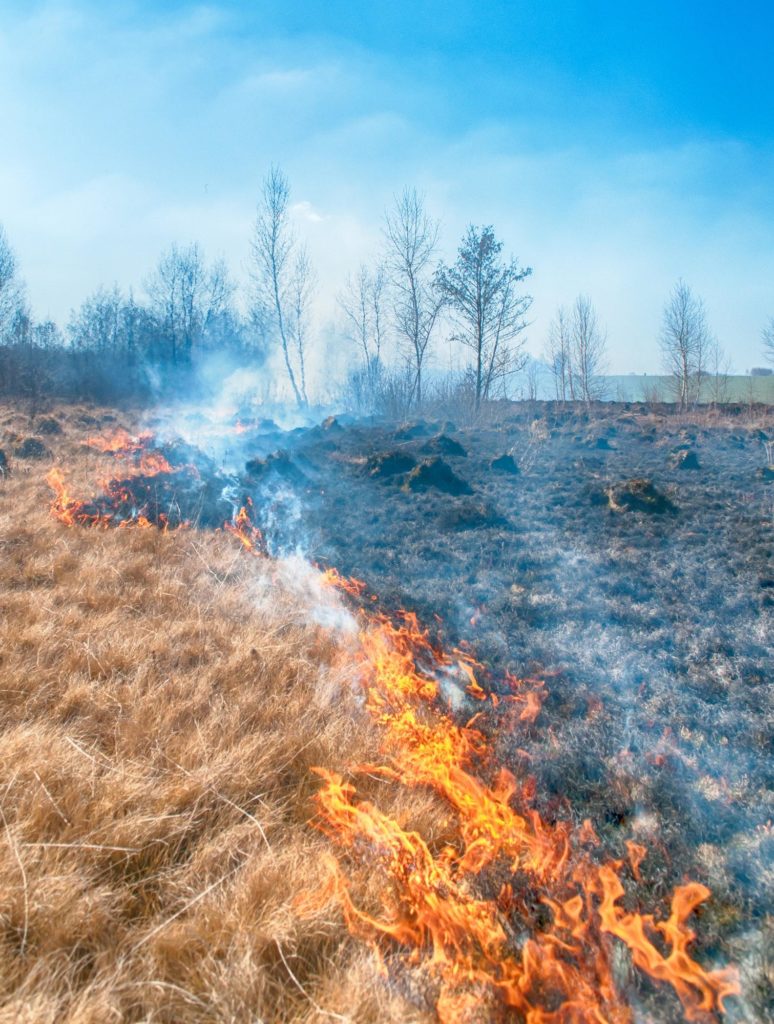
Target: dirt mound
32 448
268 426
504 464
638 495
49 426
470 515
278 463
600 442
332 424
412 431
443 445
437 474
685 458
386 464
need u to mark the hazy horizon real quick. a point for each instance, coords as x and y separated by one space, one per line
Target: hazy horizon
613 151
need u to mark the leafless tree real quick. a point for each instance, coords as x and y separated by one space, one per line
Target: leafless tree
718 372
11 290
685 341
362 304
532 379
768 340
411 237
302 285
275 274
558 356
587 352
97 325
481 292
186 297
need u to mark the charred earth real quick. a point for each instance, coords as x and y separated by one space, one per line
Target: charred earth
542 546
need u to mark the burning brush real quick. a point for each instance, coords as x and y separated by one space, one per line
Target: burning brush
515 913
158 486
560 970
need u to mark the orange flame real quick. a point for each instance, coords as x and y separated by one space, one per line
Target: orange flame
562 973
478 949
120 442
248 535
111 508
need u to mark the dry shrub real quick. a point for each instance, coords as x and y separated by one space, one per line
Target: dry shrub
162 700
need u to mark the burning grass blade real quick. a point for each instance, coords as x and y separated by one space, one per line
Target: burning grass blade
135 499
559 970
562 972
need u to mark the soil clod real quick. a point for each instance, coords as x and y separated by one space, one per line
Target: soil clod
686 458
32 448
504 464
386 464
639 495
443 445
435 473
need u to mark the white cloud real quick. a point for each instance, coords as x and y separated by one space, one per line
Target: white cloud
120 138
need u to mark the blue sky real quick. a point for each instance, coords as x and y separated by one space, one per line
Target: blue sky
615 147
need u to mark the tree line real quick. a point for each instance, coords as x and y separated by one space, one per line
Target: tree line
394 310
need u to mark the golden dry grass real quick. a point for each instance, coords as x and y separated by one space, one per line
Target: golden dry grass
162 700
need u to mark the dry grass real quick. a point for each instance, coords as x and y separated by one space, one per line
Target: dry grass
162 699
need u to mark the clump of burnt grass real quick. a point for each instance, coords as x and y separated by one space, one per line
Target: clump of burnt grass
158 724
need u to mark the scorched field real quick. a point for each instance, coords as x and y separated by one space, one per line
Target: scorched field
386 722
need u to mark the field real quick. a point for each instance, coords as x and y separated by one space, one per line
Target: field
172 855
651 387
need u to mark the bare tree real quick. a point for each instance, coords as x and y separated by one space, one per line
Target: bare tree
532 381
186 297
718 372
362 305
587 352
481 292
97 325
559 356
685 341
11 289
768 340
302 287
411 237
275 273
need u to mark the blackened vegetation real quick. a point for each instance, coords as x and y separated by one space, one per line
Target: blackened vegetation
190 492
31 448
435 474
642 592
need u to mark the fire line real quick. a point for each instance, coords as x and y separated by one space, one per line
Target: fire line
554 966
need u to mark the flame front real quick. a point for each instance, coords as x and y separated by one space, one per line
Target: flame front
126 501
561 973
543 945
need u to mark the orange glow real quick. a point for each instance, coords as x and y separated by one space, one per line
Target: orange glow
478 949
117 506
512 909
248 535
120 442
332 578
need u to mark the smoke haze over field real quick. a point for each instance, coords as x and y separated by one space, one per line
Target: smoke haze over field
613 153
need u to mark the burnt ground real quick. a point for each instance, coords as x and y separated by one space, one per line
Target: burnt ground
626 556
